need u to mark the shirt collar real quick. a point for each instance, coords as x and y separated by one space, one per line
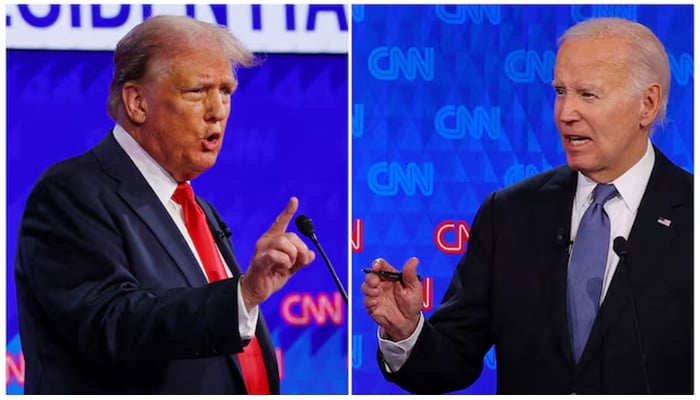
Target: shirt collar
630 185
157 177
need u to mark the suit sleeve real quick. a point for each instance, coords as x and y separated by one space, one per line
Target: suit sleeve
449 353
72 261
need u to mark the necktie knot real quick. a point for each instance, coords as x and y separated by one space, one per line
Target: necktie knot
183 194
604 192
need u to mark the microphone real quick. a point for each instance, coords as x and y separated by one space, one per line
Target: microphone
620 247
225 232
562 239
306 227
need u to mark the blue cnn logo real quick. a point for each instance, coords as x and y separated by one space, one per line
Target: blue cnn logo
524 66
459 14
453 122
681 68
356 351
358 13
388 63
386 178
358 120
518 172
582 12
490 358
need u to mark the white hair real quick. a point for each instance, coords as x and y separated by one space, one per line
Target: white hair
162 36
645 53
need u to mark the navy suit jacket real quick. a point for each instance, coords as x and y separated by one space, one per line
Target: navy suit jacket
509 290
111 298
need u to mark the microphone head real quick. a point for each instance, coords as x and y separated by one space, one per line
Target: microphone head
620 246
305 226
561 238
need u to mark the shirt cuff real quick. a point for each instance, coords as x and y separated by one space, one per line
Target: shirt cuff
247 321
396 353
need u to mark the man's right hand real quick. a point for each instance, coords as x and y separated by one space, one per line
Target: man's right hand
395 307
278 255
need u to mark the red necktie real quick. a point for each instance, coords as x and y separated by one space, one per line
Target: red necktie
251 360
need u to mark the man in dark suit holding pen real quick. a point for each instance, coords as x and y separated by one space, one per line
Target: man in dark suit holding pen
597 296
127 282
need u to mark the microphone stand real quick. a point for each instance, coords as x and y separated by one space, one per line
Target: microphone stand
305 226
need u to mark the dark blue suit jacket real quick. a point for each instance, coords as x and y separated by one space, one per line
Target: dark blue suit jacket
111 298
509 290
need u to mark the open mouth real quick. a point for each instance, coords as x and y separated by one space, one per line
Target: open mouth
578 140
212 141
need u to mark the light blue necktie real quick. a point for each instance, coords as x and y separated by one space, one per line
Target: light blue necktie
586 268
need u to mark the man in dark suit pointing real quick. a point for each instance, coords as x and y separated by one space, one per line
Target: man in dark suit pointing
127 282
582 276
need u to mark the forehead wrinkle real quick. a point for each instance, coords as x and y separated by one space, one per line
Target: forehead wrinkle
608 58
584 74
601 62
170 64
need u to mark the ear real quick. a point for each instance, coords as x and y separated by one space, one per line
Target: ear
651 103
135 105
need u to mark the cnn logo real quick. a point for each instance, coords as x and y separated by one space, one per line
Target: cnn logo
300 309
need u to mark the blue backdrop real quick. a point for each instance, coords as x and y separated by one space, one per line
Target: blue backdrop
451 103
287 135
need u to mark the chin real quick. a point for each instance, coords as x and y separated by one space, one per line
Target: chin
577 164
202 169
206 161
195 170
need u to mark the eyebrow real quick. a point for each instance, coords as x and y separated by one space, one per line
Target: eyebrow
578 86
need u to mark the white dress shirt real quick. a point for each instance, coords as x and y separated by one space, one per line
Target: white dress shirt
621 209
164 186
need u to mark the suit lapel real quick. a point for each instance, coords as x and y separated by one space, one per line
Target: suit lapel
221 236
139 196
552 226
649 238
647 243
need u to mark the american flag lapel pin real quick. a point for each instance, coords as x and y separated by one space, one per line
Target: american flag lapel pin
664 221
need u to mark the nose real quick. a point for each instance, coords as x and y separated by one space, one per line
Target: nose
565 110
217 106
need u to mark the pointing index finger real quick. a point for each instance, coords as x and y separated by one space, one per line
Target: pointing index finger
282 222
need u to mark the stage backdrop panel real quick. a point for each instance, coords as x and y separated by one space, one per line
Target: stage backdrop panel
287 135
450 103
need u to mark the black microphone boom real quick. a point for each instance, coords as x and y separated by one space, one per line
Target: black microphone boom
225 232
306 227
620 248
562 240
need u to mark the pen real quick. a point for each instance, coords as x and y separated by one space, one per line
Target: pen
392 276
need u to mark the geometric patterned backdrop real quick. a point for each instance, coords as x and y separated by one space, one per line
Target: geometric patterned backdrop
451 103
287 135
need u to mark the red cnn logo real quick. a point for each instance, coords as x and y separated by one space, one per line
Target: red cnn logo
299 308
461 236
15 368
280 361
428 294
358 234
